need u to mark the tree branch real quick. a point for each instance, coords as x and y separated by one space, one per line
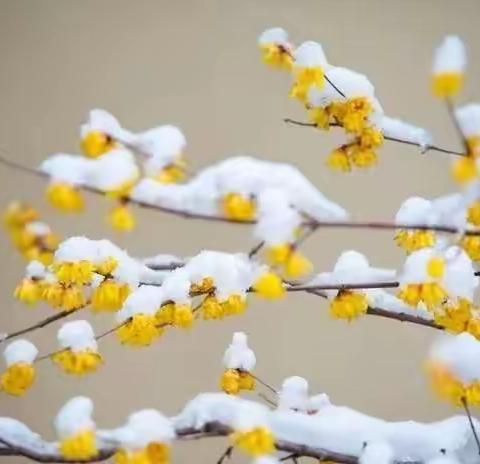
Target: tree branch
390 139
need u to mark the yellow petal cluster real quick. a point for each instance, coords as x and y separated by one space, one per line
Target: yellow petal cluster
18 378
348 305
237 207
255 442
80 446
233 381
78 362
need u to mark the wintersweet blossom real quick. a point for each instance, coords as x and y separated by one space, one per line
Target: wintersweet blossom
78 352
453 367
276 49
20 374
351 267
449 62
76 429
239 361
309 67
144 439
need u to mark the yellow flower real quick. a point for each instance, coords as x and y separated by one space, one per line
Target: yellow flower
80 446
454 316
269 285
297 265
79 363
306 77
18 378
436 267
445 385
96 143
236 207
22 239
464 169
35 253
182 316
255 442
371 138
230 382
447 84
356 113
430 293
413 240
278 254
53 294
121 218
109 296
348 305
276 56
171 174
205 286
473 213
338 160
164 316
18 214
471 245
28 291
73 298
74 272
246 381
234 304
212 309
473 327
140 330
65 197
320 117
106 267
154 453
362 157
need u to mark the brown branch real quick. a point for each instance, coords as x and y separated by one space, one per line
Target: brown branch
40 324
212 429
390 139
381 225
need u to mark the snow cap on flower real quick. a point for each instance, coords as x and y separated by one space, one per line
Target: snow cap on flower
293 394
468 117
354 266
377 453
77 336
398 129
415 268
278 220
238 355
460 354
113 170
310 54
38 228
145 427
71 169
415 210
276 36
74 416
460 279
163 145
102 121
450 56
20 351
146 299
35 270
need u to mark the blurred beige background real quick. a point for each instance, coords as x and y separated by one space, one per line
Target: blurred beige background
195 63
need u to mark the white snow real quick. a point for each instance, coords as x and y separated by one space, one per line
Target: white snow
77 336
19 351
74 416
238 355
450 56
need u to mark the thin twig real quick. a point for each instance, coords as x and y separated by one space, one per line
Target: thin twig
267 400
391 139
458 129
470 420
342 286
254 251
41 324
265 384
227 454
